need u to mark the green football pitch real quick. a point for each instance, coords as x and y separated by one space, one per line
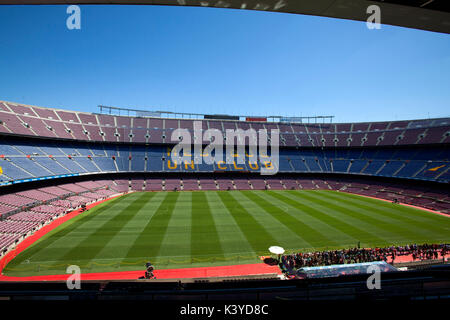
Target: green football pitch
207 228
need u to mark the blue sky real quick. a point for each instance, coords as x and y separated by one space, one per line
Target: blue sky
208 60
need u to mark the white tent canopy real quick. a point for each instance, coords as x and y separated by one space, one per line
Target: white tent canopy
276 250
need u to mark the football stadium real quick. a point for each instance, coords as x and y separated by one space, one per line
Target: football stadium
337 186
111 194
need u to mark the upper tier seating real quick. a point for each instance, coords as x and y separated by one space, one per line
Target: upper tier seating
52 123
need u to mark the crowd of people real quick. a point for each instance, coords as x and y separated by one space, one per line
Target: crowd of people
359 255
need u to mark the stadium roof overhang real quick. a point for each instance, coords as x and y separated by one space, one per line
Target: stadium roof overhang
431 15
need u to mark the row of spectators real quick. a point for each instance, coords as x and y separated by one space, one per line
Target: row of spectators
359 255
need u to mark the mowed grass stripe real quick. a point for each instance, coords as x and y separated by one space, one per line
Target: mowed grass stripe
369 235
400 211
232 239
283 235
42 249
309 237
91 222
369 221
441 225
330 234
118 246
408 228
149 241
204 237
96 241
254 232
338 224
176 242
